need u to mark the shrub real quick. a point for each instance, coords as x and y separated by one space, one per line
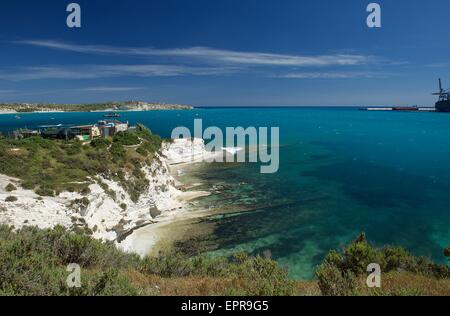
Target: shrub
11 199
334 282
10 187
117 151
249 275
262 277
100 143
85 191
398 258
74 148
82 203
338 273
53 166
143 131
45 191
33 262
142 151
359 254
126 138
27 185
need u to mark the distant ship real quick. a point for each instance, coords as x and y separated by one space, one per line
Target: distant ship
111 115
443 105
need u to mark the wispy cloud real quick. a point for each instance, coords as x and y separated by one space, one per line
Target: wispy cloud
195 61
327 75
7 91
87 90
211 55
111 89
107 71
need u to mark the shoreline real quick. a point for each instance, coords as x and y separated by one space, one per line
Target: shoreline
170 227
166 200
99 111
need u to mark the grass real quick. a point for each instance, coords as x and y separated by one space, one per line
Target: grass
50 167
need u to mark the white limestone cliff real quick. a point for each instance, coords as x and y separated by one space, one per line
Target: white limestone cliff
108 216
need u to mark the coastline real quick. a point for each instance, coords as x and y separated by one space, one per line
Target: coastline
166 202
99 111
123 106
171 227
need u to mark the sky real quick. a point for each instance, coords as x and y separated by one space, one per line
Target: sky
225 52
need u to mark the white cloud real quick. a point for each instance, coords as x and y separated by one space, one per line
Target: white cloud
111 89
107 71
326 75
210 55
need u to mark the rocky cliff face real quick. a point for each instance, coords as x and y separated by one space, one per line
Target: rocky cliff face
108 212
185 151
146 106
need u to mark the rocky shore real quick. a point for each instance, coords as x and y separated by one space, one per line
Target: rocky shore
108 212
9 108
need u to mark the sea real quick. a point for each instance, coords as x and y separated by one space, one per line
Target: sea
342 171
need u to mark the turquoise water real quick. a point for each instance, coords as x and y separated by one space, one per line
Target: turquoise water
342 171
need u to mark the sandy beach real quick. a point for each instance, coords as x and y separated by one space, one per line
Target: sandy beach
172 226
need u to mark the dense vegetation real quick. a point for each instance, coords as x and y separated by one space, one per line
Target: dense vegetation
52 166
345 273
34 262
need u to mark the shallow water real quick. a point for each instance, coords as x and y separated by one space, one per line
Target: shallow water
342 171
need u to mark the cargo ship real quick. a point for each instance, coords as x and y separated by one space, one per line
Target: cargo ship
443 104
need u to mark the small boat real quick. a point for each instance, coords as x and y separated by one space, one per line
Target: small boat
112 115
17 117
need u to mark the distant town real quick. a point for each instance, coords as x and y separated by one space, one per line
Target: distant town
107 106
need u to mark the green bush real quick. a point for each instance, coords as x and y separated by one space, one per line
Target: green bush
142 151
53 166
85 191
334 282
126 138
359 255
397 258
11 199
74 148
34 261
117 151
10 187
338 274
143 131
101 143
45 191
255 275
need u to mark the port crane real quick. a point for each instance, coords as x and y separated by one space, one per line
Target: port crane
443 105
444 95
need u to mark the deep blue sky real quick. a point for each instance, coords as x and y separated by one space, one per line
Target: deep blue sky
225 52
